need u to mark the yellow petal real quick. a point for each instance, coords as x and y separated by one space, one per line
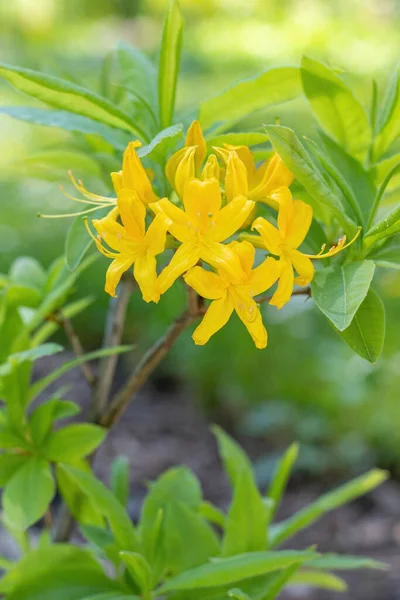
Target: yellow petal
236 178
185 171
194 137
283 196
269 234
217 315
116 179
156 234
243 303
257 330
285 285
300 224
205 283
264 276
145 273
184 259
246 253
202 201
113 233
272 175
245 155
134 175
224 259
132 211
211 168
172 165
303 267
231 218
179 226
114 273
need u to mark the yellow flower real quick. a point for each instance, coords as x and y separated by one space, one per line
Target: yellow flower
294 221
228 295
201 228
132 244
257 183
186 163
133 176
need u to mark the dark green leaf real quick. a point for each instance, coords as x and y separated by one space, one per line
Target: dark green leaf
169 63
339 291
366 333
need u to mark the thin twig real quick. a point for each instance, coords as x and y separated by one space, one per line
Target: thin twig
145 367
303 292
112 337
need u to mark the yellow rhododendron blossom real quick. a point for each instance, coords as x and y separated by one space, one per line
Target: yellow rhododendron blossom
201 228
259 183
294 221
133 176
238 295
131 244
185 164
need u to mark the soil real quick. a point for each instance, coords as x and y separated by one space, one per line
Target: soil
165 427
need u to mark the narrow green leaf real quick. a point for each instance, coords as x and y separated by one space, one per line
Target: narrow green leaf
29 355
162 143
108 505
319 579
278 582
80 505
393 216
336 107
366 333
68 96
280 478
326 503
62 119
212 513
78 240
140 75
275 86
297 159
26 270
389 119
139 569
338 291
388 254
170 56
237 139
42 418
342 562
28 493
73 442
43 383
70 310
238 594
235 568
234 458
119 479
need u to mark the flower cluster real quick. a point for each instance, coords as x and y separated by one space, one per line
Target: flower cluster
215 196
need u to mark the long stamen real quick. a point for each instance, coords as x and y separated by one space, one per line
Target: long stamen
86 201
98 243
81 188
341 245
68 215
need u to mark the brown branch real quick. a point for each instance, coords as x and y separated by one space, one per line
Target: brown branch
303 292
112 337
145 367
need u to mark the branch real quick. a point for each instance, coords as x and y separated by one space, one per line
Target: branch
303 292
145 367
112 337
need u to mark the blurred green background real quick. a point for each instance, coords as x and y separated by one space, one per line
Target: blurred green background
307 385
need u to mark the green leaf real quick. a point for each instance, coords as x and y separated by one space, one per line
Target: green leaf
212 513
234 458
78 240
42 418
237 139
139 569
119 479
170 56
108 505
81 506
140 75
68 121
68 96
9 464
235 568
52 165
342 562
389 119
238 594
50 327
338 291
246 522
388 254
43 383
366 333
162 143
297 159
28 493
30 355
319 579
280 478
336 107
277 582
18 295
188 540
326 503
27 271
275 86
73 442
57 572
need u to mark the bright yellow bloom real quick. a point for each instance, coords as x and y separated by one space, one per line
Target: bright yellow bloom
133 176
294 221
256 183
185 164
228 295
201 228
132 244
